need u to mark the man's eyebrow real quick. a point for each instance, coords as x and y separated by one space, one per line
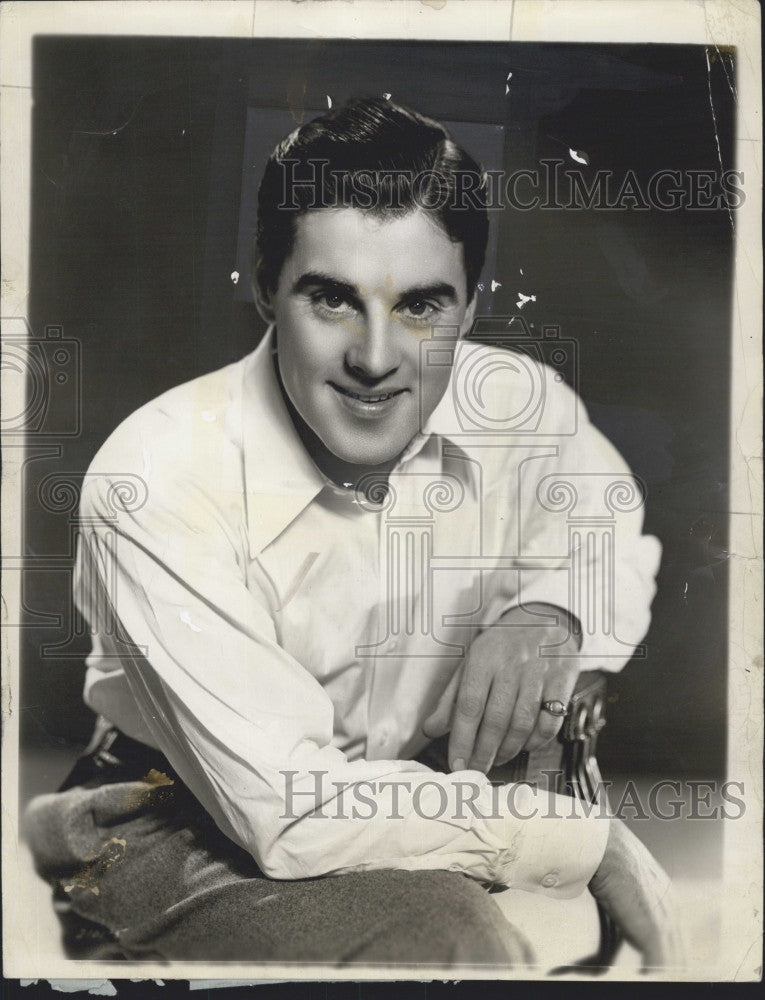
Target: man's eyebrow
318 279
436 290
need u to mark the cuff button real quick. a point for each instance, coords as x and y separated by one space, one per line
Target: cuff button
550 881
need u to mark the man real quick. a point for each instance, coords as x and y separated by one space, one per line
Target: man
332 562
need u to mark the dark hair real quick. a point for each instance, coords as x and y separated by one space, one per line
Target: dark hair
377 156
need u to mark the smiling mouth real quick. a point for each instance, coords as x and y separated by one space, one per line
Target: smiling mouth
379 397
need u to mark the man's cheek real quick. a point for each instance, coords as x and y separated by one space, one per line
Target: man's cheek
306 357
432 386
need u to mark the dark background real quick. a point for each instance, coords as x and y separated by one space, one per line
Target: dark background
138 154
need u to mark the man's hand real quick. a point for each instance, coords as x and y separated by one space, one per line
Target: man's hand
493 705
635 890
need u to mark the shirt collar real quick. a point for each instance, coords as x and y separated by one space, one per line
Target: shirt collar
280 477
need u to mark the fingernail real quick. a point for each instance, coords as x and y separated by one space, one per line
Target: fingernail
458 764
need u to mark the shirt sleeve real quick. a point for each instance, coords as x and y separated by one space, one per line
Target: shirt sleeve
578 533
248 729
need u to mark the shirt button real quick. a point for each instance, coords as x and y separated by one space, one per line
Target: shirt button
550 880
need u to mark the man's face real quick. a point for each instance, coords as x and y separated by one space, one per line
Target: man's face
355 299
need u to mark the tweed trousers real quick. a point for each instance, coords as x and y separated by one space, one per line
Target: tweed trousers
139 870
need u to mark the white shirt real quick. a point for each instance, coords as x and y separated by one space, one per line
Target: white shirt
282 644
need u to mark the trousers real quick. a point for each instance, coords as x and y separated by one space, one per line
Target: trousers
139 870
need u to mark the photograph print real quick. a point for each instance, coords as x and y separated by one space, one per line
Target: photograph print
375 541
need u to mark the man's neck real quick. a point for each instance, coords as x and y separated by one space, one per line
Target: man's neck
342 473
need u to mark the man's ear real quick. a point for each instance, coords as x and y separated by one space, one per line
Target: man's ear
263 301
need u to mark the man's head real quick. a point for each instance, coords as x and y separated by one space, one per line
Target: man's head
371 231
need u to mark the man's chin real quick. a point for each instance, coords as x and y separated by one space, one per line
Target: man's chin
367 455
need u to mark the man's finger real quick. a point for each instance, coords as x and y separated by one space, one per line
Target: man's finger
558 686
471 701
439 721
524 716
496 717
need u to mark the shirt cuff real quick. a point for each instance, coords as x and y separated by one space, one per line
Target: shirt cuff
556 847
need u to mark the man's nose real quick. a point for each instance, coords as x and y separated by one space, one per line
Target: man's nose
374 354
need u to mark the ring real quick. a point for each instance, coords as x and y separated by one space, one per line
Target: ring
554 708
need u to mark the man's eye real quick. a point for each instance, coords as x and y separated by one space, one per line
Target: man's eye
420 309
332 302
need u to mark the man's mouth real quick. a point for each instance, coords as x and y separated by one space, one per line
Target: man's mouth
367 397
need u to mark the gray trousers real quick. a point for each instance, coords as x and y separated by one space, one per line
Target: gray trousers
140 871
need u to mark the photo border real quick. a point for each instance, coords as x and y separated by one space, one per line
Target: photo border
713 22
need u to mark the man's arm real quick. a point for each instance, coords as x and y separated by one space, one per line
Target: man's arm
581 513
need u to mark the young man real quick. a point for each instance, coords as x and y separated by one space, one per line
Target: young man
343 545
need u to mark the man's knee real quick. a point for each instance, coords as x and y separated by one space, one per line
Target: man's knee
445 918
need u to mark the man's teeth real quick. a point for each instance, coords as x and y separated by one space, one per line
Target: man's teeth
369 399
